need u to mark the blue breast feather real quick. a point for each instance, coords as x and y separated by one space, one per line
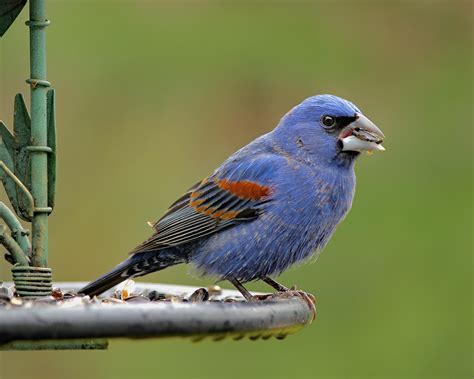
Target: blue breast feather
307 204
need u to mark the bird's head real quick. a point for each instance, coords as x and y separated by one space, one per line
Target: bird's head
328 128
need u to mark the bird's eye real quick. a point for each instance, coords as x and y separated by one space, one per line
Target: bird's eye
328 121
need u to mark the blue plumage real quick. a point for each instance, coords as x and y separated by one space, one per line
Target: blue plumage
272 204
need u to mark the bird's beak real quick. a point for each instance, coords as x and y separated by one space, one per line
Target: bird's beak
362 135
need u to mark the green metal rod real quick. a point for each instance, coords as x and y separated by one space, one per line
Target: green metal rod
18 232
39 178
13 248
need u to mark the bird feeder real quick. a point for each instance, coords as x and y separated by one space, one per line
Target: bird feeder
36 314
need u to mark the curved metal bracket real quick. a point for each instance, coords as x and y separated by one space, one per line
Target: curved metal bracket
12 246
15 154
30 207
7 144
21 159
17 231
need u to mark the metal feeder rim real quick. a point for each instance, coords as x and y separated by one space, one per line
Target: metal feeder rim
218 320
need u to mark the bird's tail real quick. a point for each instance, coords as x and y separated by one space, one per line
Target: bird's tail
137 265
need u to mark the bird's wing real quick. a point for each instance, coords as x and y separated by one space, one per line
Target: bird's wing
215 203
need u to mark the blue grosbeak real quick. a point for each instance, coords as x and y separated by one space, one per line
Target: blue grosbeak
273 203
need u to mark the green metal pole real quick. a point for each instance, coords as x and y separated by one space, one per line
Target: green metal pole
38 149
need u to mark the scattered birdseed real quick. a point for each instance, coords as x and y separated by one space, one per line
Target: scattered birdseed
156 296
125 289
201 294
214 290
16 301
57 294
137 299
5 293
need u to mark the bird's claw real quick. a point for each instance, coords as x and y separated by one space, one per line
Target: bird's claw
309 298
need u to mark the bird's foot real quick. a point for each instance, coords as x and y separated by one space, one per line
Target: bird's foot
283 291
309 298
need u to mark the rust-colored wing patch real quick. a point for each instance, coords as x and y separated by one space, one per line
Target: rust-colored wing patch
245 189
206 208
225 199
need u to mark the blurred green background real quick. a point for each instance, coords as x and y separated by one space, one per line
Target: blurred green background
153 95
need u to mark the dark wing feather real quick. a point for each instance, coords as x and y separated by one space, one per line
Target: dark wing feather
206 208
180 203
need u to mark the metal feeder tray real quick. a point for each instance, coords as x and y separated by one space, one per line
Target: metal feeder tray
88 326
